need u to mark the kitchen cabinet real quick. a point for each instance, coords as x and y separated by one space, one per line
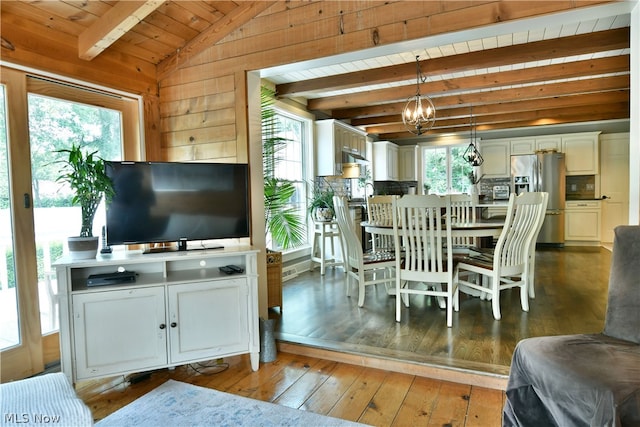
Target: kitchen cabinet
582 153
407 166
180 309
582 221
385 161
497 159
531 145
551 143
332 139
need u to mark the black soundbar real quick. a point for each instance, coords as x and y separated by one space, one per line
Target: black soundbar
111 278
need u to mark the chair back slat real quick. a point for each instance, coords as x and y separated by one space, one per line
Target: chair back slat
353 257
463 210
521 226
423 225
380 213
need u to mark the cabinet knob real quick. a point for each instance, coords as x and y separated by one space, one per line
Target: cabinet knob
174 324
162 326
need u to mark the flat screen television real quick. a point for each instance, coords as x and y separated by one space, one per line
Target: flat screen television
177 202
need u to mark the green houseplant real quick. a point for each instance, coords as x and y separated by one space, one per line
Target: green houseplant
321 203
85 173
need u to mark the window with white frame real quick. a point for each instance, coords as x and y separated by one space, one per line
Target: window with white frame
292 161
445 171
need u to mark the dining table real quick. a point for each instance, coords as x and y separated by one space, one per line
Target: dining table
480 228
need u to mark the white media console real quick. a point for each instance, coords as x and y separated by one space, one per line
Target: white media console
180 309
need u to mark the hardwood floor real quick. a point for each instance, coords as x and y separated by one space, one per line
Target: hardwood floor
571 288
356 393
571 296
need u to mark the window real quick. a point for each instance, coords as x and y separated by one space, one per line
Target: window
291 163
445 170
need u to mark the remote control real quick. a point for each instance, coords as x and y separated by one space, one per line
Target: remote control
235 268
225 269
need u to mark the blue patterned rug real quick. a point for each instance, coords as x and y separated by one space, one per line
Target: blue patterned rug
175 403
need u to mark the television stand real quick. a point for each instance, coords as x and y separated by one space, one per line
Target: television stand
180 309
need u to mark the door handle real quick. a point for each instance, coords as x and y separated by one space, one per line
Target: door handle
27 201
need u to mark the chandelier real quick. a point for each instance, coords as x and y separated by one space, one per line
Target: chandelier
471 154
419 114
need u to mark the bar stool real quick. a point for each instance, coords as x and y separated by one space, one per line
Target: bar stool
324 230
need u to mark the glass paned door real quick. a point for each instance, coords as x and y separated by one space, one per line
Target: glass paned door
56 124
9 328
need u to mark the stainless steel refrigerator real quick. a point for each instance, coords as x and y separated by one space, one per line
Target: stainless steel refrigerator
543 172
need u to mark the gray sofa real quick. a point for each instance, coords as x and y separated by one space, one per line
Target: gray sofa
587 379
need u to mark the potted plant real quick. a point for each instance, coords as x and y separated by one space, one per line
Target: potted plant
321 203
85 173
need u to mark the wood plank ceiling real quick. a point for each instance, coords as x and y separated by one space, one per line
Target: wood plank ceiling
554 74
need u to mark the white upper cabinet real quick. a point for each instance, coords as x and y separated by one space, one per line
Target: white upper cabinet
497 159
523 146
385 161
332 138
582 156
407 167
531 145
549 143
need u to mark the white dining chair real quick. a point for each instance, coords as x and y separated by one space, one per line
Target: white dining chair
507 266
424 251
463 210
366 268
532 251
380 214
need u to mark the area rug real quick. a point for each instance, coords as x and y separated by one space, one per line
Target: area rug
175 403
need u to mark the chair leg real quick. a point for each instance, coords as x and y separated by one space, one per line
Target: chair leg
361 290
399 295
524 296
495 297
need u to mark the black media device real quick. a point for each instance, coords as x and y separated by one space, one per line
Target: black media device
158 202
115 278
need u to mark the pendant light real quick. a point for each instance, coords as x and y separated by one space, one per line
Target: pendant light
419 113
471 154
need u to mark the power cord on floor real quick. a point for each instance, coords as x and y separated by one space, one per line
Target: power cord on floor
210 368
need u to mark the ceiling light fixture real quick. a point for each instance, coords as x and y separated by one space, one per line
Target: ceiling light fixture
471 154
419 114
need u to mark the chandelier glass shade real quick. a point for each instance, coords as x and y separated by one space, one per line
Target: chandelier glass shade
471 154
419 113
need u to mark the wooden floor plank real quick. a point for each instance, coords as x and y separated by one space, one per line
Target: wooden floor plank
482 404
306 385
419 403
328 394
451 406
353 403
384 405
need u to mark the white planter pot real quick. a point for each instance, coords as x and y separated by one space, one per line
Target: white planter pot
83 247
324 214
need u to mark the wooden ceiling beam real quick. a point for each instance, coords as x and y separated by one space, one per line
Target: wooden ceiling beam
568 101
240 15
568 70
545 49
504 121
533 92
117 21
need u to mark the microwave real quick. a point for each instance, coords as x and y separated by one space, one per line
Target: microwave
500 192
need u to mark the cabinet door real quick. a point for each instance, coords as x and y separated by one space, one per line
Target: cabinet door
524 146
548 144
119 331
581 154
385 161
582 221
407 163
497 159
208 319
